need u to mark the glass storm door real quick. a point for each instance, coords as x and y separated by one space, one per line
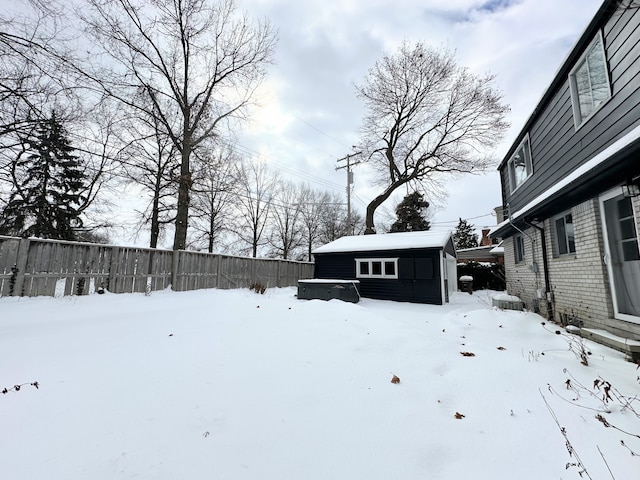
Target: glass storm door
623 254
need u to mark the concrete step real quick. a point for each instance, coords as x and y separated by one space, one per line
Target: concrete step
631 347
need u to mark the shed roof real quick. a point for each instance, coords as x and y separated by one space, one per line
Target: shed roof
387 241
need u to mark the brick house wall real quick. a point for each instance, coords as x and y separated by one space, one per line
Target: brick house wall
579 282
524 279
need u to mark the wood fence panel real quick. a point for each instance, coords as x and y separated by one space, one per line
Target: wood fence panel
266 273
8 261
31 267
139 270
160 271
235 272
199 270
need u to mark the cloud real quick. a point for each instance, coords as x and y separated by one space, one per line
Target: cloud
327 46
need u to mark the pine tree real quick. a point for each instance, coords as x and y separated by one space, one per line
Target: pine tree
464 236
48 195
411 214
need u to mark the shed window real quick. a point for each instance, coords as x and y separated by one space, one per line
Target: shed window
376 268
589 81
363 269
389 268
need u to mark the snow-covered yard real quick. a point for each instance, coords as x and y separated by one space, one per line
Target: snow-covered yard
219 384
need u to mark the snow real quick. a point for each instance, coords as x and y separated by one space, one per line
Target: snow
612 337
504 297
474 249
387 241
230 384
585 168
326 280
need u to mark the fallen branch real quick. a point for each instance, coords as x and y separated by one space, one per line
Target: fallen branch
16 388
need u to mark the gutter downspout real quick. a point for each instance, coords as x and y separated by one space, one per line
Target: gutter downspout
545 265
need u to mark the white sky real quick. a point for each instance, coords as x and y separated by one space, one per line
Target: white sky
310 116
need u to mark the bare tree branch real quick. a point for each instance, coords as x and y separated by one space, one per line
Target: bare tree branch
426 116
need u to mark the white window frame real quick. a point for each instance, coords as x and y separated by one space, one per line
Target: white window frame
578 119
518 260
370 262
565 241
525 147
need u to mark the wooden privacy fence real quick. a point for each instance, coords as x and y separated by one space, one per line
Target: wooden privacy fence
31 267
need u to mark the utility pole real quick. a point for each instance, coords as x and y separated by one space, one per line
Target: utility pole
348 166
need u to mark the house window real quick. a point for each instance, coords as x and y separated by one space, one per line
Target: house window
565 236
376 268
519 165
589 81
519 248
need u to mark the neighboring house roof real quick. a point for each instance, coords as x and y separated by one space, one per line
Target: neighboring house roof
498 250
387 241
481 248
482 252
578 178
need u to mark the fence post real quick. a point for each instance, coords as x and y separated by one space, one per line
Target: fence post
113 270
175 264
21 266
218 262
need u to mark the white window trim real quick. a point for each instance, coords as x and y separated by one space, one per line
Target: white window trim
370 261
556 252
528 158
575 101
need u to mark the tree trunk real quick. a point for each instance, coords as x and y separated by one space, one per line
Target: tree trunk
155 213
255 243
374 204
184 186
212 224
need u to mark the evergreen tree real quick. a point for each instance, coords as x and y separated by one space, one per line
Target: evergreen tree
47 199
411 214
464 236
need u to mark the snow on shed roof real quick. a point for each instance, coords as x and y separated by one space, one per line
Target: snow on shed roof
387 241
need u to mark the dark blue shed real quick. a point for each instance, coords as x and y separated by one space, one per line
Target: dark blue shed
408 267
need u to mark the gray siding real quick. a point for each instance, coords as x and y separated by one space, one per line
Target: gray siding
557 148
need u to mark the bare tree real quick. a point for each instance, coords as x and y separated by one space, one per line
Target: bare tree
426 116
33 80
148 161
214 193
285 221
334 223
30 78
313 205
257 186
197 61
39 76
